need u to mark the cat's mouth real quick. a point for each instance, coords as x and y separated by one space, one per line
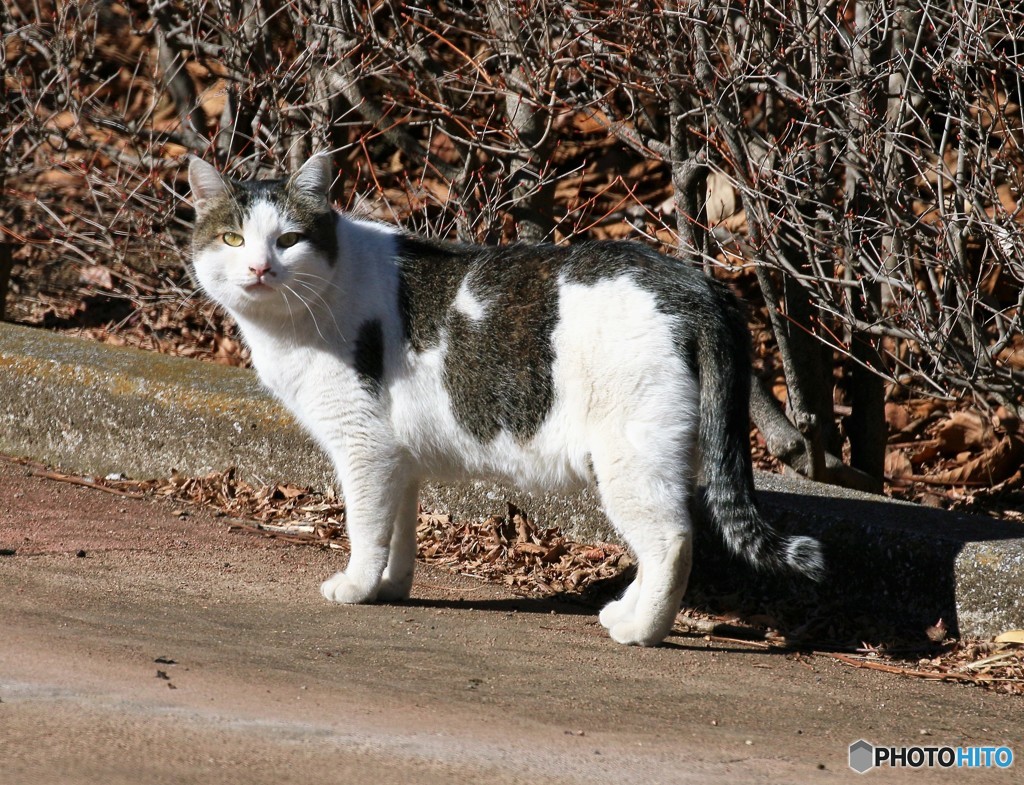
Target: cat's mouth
259 282
258 286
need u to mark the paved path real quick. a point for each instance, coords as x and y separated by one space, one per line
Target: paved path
464 684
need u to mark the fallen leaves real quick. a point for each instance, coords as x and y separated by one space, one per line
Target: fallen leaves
1010 636
991 466
996 664
515 551
930 446
963 431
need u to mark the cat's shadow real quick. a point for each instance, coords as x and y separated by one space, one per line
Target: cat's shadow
556 606
588 602
541 605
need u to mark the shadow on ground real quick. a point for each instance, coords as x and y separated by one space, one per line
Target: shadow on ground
878 587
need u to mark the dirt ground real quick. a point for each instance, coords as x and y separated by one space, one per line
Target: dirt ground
141 646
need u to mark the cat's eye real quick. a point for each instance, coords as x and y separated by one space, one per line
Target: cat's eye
288 239
233 239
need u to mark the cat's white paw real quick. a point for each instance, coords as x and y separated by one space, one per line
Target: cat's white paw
617 611
632 633
392 589
341 588
622 609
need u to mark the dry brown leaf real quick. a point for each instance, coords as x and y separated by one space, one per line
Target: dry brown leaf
897 465
1010 636
897 415
993 465
555 552
529 547
924 451
923 408
722 200
964 431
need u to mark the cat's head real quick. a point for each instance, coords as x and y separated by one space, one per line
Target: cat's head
264 248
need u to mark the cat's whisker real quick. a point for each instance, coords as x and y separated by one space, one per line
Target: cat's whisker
318 279
183 302
309 308
291 318
323 301
316 283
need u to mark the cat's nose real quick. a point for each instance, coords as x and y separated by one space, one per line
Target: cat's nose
261 271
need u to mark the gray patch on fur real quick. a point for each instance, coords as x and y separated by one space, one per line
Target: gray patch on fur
369 356
429 276
497 370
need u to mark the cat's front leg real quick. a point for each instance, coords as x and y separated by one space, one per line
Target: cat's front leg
623 608
373 497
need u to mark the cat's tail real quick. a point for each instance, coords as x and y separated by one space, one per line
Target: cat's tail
723 352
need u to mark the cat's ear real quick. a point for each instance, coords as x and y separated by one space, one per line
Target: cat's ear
206 183
314 179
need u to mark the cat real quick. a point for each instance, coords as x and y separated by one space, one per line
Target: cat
601 363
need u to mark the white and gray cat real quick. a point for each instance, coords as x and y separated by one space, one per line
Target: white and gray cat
555 367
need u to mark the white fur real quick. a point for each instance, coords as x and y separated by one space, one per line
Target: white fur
624 412
468 304
632 405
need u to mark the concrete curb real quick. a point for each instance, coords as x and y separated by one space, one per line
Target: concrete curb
100 409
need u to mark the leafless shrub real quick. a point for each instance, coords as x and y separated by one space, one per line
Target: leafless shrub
863 156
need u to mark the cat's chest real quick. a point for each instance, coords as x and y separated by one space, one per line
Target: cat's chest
303 377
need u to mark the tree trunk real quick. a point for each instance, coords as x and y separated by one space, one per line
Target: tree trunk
177 81
866 423
6 263
532 197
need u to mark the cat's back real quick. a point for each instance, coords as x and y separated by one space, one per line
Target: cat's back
510 292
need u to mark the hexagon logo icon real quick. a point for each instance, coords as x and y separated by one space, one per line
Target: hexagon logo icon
862 756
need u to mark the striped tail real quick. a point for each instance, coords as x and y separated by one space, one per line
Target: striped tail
723 352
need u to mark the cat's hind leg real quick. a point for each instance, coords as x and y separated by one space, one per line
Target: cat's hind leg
644 489
396 582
